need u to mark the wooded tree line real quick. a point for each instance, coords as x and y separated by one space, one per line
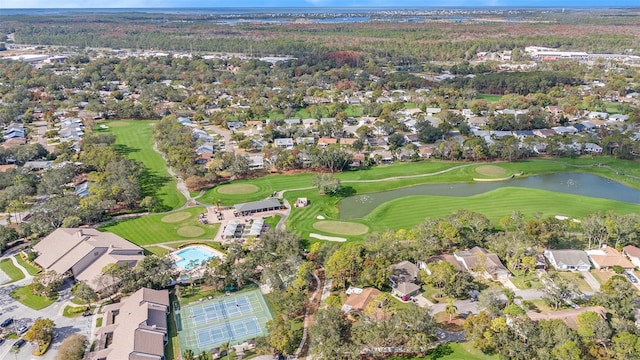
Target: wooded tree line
412 42
522 83
504 329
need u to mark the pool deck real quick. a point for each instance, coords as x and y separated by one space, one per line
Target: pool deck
174 255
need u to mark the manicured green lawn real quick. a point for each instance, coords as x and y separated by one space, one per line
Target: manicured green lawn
134 138
157 250
74 311
405 212
408 211
459 351
530 281
150 230
11 270
576 278
25 296
489 98
30 267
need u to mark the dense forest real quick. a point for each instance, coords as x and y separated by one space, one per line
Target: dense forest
386 42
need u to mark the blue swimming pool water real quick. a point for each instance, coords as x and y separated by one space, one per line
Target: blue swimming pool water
194 253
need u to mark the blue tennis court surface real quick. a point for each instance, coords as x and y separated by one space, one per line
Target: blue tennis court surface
235 329
208 324
220 310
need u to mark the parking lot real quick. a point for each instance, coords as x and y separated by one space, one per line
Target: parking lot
25 316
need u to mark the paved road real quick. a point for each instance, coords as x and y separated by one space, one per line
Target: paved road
26 316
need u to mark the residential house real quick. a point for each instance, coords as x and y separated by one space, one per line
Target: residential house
523 134
403 279
308 140
38 165
234 125
478 121
348 141
309 123
555 110
324 142
598 115
357 160
633 253
607 257
82 189
383 156
619 117
82 253
479 260
283 143
500 134
205 148
358 301
412 138
432 111
544 133
292 122
426 151
14 142
568 259
135 328
424 265
564 130
569 316
592 148
256 162
434 121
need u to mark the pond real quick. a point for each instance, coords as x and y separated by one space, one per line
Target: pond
358 206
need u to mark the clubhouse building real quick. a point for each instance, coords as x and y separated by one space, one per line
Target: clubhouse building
82 253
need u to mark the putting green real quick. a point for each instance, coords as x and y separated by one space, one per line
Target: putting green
341 227
176 217
491 170
190 231
237 189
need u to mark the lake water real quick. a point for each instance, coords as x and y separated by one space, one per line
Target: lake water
358 206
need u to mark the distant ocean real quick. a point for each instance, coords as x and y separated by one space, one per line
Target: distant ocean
263 10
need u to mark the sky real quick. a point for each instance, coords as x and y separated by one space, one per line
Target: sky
82 4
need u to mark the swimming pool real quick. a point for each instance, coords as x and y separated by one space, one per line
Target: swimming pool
197 254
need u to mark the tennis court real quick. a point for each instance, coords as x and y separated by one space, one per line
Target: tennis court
211 323
220 310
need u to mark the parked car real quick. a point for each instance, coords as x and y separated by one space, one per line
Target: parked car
23 329
1 341
631 277
6 322
18 344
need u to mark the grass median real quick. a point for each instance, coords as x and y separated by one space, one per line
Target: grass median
11 270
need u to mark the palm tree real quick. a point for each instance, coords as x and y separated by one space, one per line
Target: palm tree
188 355
451 309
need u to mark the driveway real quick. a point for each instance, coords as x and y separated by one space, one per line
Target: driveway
593 283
